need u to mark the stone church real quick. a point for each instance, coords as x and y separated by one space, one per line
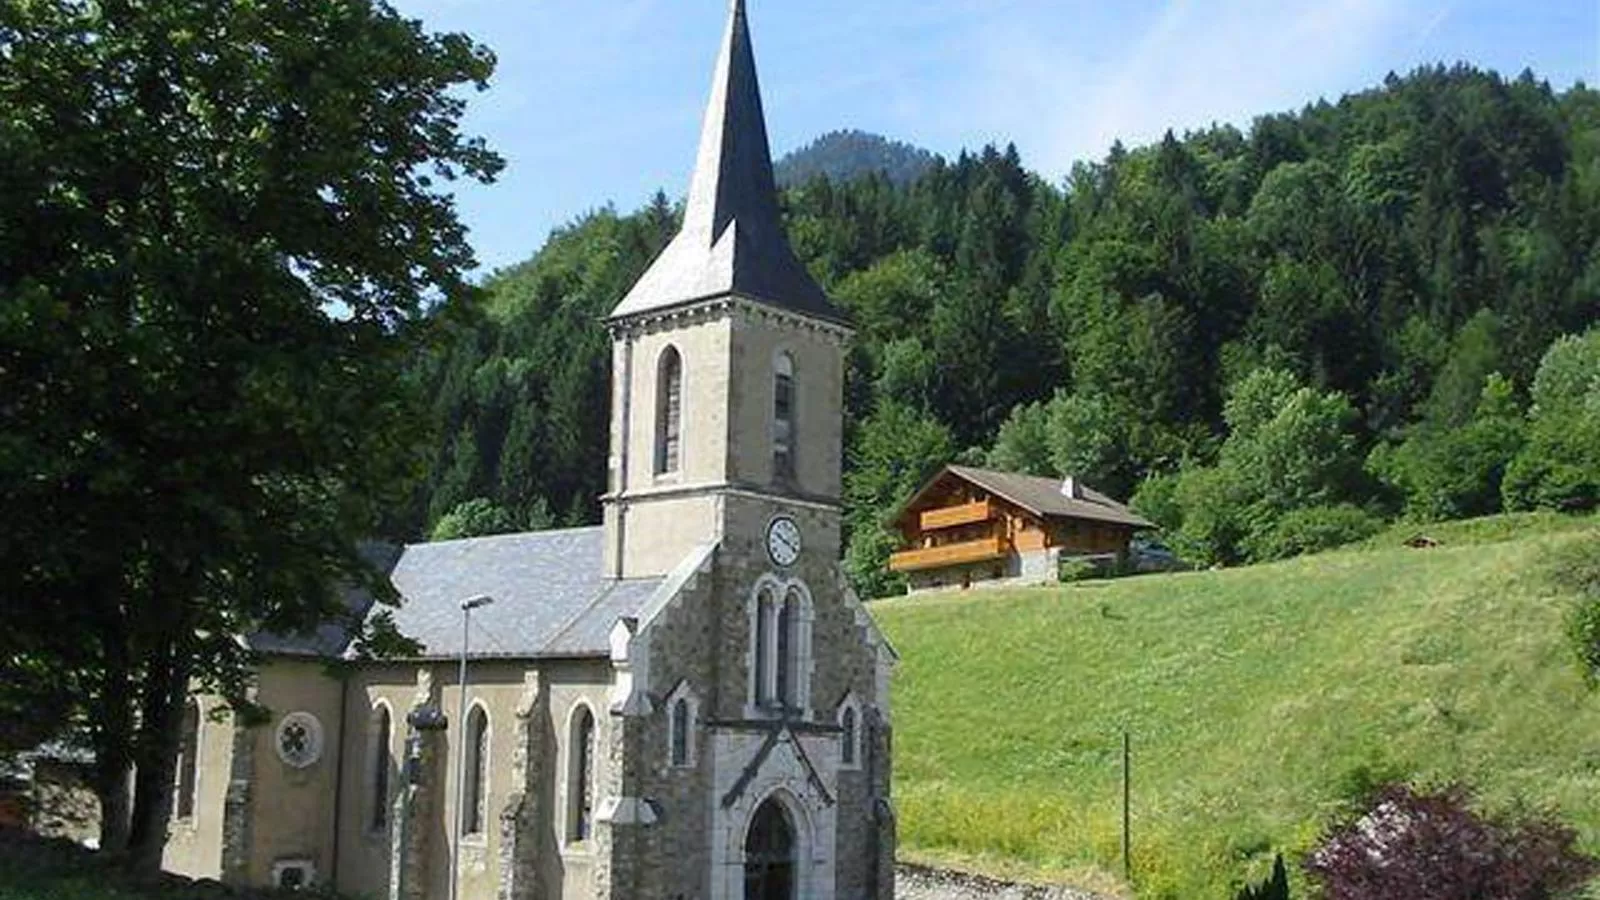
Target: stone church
686 703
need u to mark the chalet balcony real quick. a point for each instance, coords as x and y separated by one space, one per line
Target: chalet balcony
952 516
950 555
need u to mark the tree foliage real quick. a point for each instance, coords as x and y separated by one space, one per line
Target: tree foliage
1444 472
899 448
482 518
220 226
1282 484
1560 466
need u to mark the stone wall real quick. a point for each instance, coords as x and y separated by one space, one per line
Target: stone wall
1018 570
666 858
703 639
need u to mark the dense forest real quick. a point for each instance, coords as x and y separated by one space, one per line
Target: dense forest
1271 338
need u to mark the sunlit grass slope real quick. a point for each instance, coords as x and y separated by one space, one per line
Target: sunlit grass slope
1257 700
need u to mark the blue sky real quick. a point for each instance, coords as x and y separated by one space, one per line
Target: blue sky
599 101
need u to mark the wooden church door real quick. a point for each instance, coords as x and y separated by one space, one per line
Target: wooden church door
769 855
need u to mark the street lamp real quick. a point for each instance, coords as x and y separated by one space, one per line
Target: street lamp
467 606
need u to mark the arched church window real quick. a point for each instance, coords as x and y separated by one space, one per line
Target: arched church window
580 776
669 411
847 749
680 732
783 403
187 773
382 764
766 633
683 710
476 761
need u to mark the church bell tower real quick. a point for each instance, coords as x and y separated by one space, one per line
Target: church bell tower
727 366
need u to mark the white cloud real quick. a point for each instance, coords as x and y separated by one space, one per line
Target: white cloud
1065 97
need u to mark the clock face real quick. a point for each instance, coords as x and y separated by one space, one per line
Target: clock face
783 541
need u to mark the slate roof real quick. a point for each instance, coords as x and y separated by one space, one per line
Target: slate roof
332 638
551 598
732 241
1041 496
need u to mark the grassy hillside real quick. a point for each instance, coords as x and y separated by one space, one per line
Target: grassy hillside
1258 699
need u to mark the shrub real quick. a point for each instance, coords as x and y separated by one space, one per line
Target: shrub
1073 570
1575 569
1313 530
1432 846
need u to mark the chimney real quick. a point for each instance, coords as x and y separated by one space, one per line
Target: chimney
1071 489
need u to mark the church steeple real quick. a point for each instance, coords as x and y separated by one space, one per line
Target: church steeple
732 241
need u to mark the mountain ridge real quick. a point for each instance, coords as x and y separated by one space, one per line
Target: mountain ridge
848 154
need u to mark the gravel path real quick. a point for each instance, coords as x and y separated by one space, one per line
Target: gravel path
920 883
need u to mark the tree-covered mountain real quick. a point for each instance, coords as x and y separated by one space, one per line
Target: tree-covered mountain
1274 336
845 156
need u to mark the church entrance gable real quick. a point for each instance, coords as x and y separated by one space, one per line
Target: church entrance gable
760 777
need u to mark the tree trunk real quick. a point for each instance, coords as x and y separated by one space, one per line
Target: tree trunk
166 688
111 735
111 788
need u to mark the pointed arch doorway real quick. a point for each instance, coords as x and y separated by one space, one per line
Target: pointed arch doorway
769 854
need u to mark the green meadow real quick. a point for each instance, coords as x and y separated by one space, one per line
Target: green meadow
1259 701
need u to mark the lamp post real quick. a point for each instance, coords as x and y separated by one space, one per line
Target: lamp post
467 606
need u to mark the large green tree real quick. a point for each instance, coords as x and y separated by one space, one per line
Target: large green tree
1559 468
221 224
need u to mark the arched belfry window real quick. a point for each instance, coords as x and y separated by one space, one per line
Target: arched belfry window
766 637
780 657
476 761
669 412
580 776
783 404
788 622
188 761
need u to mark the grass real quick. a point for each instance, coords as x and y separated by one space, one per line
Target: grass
1259 700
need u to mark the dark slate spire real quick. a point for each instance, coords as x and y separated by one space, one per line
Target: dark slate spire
732 240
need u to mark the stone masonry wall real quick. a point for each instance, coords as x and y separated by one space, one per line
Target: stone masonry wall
667 860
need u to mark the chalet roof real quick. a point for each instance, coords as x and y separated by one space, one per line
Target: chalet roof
1041 496
732 241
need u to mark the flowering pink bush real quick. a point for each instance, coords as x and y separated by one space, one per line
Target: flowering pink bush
1432 846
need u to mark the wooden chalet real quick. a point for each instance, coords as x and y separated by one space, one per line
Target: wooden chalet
976 525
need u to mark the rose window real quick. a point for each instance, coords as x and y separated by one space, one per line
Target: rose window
299 739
